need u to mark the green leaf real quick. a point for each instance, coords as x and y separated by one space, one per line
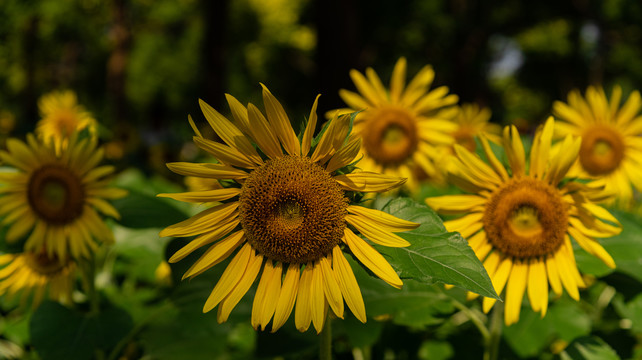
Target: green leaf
435 350
138 210
631 310
589 348
434 254
58 332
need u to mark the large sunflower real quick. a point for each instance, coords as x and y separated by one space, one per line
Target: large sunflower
611 151
61 116
404 127
519 223
35 274
57 195
286 212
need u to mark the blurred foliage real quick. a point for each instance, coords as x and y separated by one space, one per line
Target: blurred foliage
140 67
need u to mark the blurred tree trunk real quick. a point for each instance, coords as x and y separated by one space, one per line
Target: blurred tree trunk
30 49
213 51
337 51
120 35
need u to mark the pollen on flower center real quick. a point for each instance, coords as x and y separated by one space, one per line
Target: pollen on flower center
56 194
292 210
390 136
526 218
602 150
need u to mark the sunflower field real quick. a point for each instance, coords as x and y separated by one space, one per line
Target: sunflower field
308 179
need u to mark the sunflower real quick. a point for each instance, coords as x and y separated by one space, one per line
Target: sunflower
61 116
58 196
286 212
404 128
520 223
611 151
35 273
473 120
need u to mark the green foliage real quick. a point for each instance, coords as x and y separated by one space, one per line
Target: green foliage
589 348
434 254
58 332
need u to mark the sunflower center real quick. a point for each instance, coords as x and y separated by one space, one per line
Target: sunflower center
390 136
56 194
526 218
66 122
602 150
44 265
292 210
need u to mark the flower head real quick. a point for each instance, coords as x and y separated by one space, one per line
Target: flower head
55 198
610 152
62 116
284 213
35 274
402 128
520 221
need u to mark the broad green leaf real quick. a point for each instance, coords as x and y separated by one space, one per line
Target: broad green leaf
138 210
415 304
58 332
359 335
434 254
589 348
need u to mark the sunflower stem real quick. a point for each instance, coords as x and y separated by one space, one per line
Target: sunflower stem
89 282
325 340
491 351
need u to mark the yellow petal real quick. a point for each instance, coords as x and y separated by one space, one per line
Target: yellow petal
466 225
271 296
204 239
418 86
212 171
332 139
455 204
233 298
376 233
382 219
354 100
565 158
229 133
331 287
280 123
204 196
261 291
515 292
364 87
239 112
499 281
377 85
540 149
397 80
263 133
514 150
566 274
214 255
553 274
348 284
372 259
310 127
202 222
538 285
592 247
303 312
317 300
223 153
230 278
368 182
345 155
287 297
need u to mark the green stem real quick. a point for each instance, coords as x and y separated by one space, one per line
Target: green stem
474 318
325 340
491 351
89 282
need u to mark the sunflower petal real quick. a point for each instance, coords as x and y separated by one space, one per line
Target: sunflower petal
348 284
310 127
204 196
203 221
375 233
263 134
303 312
214 255
230 278
280 123
365 181
251 271
383 219
287 297
515 292
212 171
397 80
345 155
372 259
